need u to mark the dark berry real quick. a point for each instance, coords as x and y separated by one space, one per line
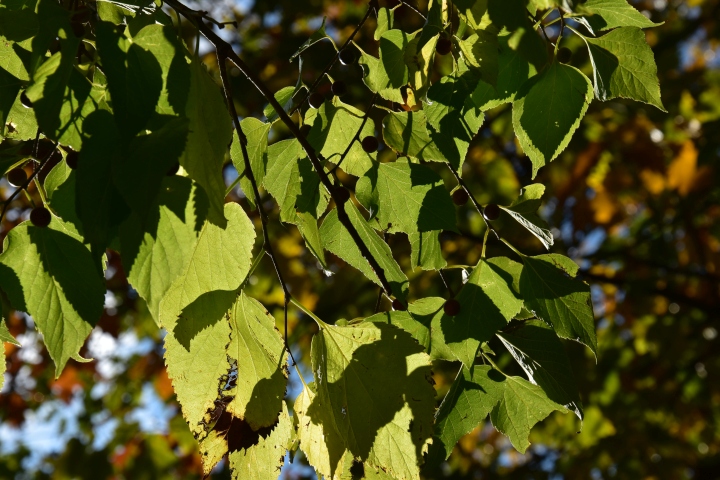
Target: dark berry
451 307
316 100
564 55
26 102
78 29
17 177
347 57
370 144
460 197
443 47
341 194
339 88
398 305
173 170
491 212
72 159
40 217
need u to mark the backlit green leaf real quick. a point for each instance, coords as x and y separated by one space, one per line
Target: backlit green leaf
426 251
547 110
50 274
524 209
624 66
607 14
374 378
549 290
540 353
336 239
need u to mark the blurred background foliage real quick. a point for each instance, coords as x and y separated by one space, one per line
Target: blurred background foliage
635 200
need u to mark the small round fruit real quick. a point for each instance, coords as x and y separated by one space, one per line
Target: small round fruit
451 307
339 88
78 29
26 102
316 100
17 177
40 217
173 170
460 197
341 195
564 55
398 305
491 212
444 46
347 56
370 144
72 159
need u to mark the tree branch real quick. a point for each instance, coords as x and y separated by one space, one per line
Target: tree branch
267 245
373 6
225 50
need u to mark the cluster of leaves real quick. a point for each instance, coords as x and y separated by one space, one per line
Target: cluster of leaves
127 105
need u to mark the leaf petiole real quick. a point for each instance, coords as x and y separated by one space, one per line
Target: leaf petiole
307 312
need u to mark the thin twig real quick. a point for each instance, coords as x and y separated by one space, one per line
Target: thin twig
373 6
224 49
357 134
267 245
479 207
27 182
447 284
414 9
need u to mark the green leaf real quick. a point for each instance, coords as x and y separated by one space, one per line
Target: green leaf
284 96
624 66
474 13
486 305
308 227
426 251
385 21
220 260
256 133
259 352
550 291
100 207
210 134
411 198
293 182
374 379
548 109
155 252
521 406
5 335
385 75
153 155
20 123
264 459
419 56
469 401
336 239
537 349
524 209
607 14
196 367
50 274
319 440
480 51
513 72
453 120
407 133
9 89
317 36
134 79
334 126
